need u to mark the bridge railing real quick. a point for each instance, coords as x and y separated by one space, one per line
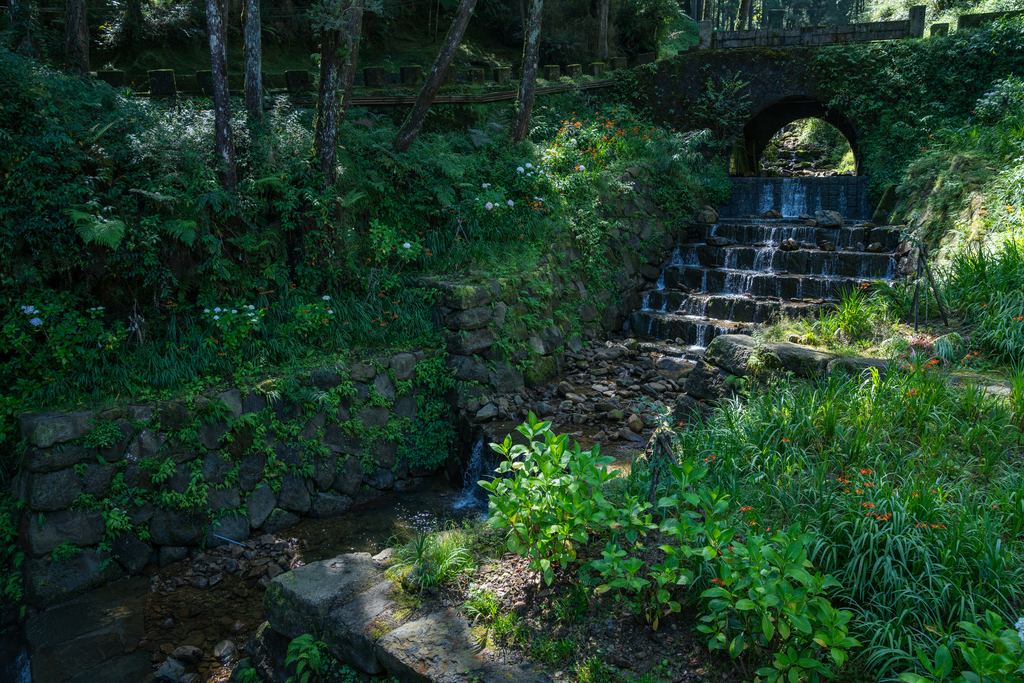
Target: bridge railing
912 27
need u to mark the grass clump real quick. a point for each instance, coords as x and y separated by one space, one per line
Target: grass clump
432 557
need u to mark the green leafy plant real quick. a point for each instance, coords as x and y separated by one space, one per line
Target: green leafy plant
992 653
553 498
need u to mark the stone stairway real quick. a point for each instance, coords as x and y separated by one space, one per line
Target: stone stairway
736 272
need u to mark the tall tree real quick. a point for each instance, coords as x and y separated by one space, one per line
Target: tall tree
602 36
332 18
132 26
743 16
528 79
76 38
215 22
348 74
253 61
414 121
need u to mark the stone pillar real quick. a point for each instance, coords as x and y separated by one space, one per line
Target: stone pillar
596 69
475 76
115 79
940 29
574 71
706 31
502 75
375 77
410 75
297 81
161 83
917 21
552 72
619 63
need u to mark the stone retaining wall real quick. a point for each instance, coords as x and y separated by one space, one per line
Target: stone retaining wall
108 491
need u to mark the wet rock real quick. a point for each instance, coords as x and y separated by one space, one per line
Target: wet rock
260 504
630 435
609 353
189 654
708 216
789 244
224 650
828 219
171 670
280 519
716 241
876 247
826 245
382 479
771 214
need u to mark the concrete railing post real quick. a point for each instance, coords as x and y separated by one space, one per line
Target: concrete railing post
706 31
917 13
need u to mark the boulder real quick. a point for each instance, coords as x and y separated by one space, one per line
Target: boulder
177 527
468 369
211 436
689 411
231 526
329 505
349 478
96 479
464 297
268 652
294 494
708 382
54 490
730 352
672 368
49 429
278 520
771 214
382 480
250 470
708 216
465 343
355 623
300 601
384 385
403 365
43 460
858 367
469 319
223 499
260 504
131 552
803 361
506 378
189 654
215 468
828 219
46 532
362 372
232 398
488 412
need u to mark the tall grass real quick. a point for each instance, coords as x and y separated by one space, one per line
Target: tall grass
911 487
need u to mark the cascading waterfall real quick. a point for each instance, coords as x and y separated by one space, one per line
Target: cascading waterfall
794 197
766 198
477 468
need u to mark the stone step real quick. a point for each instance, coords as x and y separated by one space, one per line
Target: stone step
692 330
798 262
737 308
780 285
751 233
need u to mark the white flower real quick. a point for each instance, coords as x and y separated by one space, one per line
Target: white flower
206 310
29 310
406 246
511 203
485 185
251 307
488 206
234 311
35 322
216 317
520 169
581 168
529 165
330 312
217 309
325 297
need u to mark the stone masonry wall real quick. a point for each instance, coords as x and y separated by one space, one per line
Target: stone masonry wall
107 491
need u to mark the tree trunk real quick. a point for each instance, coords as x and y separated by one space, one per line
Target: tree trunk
221 96
133 21
602 40
76 38
741 17
348 74
411 127
23 25
325 141
253 61
522 19
528 80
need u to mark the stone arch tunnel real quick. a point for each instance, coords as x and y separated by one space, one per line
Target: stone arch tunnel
763 125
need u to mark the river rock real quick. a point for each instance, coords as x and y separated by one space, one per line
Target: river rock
635 423
189 654
708 382
672 368
171 670
488 412
224 650
828 219
771 214
876 247
708 216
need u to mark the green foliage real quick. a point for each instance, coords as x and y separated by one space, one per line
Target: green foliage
64 552
767 605
991 651
860 314
723 106
432 558
310 658
11 555
553 498
105 433
481 604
